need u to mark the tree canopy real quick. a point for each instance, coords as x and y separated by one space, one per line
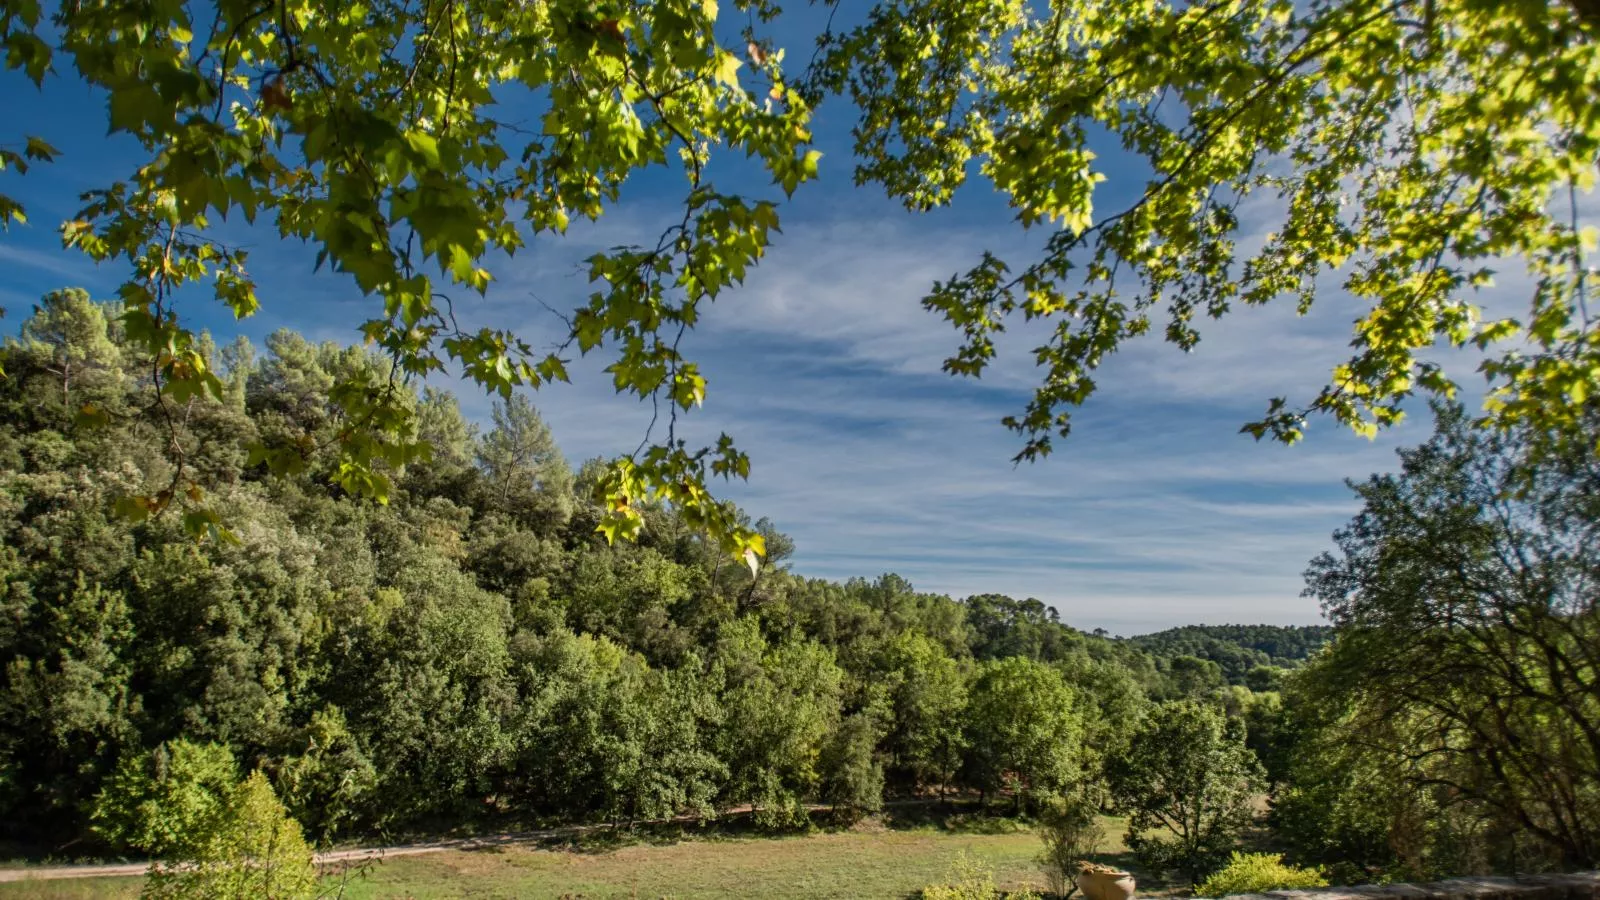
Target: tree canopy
473 654
1467 657
1185 779
470 651
1398 153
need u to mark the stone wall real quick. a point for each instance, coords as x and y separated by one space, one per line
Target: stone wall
1578 886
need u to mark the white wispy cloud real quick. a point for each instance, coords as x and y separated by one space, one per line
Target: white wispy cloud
825 369
72 268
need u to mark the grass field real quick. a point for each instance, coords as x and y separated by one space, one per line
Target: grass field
869 862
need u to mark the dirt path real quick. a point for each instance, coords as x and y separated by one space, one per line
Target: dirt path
51 873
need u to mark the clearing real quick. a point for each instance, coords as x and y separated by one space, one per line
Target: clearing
867 862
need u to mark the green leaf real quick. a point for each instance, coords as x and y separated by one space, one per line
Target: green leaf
424 147
40 150
133 107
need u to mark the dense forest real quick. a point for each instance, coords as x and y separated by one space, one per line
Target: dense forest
1238 649
472 651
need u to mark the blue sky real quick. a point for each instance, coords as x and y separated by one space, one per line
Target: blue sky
823 366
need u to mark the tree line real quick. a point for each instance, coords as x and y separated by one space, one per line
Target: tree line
471 647
1238 650
473 651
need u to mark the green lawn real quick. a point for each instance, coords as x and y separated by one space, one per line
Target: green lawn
852 864
72 888
865 863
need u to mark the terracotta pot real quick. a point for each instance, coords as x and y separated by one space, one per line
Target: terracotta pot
1105 884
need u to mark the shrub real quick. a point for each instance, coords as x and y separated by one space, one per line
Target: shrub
970 879
258 853
158 802
1070 829
213 836
1252 873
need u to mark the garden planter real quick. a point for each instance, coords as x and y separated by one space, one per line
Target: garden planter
1104 883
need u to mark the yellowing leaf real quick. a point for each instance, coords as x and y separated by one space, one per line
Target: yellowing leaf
727 69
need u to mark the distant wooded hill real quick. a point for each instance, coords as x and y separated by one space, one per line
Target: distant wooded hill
1238 648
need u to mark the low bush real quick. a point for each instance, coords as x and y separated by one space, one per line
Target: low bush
158 802
213 837
257 853
970 879
1070 829
1252 873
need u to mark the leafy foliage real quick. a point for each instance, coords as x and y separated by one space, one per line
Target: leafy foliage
1070 829
970 879
1405 150
468 652
1255 873
1396 153
257 851
212 835
1186 780
371 133
1465 660
168 801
